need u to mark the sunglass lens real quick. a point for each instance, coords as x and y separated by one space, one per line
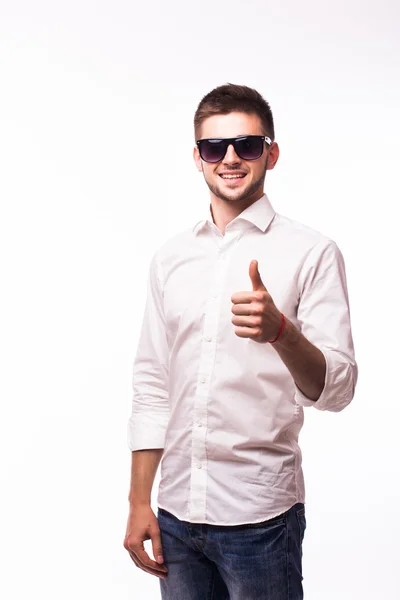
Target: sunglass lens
249 148
212 150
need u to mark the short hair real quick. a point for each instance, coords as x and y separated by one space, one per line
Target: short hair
229 98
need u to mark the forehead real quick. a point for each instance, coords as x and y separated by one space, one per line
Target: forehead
231 125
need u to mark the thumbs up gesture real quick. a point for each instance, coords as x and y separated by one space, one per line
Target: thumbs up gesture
255 314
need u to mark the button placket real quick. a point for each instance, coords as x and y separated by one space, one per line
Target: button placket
197 498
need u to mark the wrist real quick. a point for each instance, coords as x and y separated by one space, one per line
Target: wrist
281 329
137 502
288 336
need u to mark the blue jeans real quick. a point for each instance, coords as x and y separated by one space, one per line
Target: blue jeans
260 561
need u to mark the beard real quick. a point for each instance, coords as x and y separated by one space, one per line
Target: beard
247 192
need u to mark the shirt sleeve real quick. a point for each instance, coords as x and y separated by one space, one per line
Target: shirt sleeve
150 409
324 317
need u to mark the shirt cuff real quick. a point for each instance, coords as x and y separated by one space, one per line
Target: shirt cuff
146 432
338 388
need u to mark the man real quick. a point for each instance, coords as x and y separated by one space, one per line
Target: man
246 322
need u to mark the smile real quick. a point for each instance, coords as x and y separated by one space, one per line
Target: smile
232 176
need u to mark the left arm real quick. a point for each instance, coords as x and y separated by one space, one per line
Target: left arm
305 361
319 356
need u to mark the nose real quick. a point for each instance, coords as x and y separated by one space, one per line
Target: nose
230 156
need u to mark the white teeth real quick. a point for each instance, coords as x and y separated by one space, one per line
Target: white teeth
232 176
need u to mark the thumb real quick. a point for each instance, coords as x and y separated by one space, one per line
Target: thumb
156 546
256 277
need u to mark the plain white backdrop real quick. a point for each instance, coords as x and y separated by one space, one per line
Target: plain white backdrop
96 107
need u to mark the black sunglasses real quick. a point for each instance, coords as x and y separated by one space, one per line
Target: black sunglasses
248 147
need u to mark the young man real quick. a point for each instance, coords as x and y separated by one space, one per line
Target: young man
246 322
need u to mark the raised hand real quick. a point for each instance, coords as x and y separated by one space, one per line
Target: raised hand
255 314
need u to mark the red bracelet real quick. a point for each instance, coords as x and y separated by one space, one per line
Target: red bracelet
281 329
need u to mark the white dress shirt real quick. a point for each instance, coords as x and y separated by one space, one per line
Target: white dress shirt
226 409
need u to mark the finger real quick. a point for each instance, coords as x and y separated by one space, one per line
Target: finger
248 332
245 321
147 561
137 548
256 277
159 574
159 571
156 545
149 571
255 308
242 297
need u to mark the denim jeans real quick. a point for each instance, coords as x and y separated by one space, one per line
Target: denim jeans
260 561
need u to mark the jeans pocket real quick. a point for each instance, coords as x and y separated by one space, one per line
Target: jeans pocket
278 520
301 519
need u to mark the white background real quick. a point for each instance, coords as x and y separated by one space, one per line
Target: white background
96 106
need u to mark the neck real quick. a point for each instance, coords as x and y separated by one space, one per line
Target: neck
224 211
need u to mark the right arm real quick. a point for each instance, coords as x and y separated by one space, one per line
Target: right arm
142 522
143 471
147 426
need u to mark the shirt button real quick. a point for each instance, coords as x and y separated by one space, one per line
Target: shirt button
208 338
202 379
199 465
199 424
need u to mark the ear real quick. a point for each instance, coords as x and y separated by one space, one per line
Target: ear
197 159
273 156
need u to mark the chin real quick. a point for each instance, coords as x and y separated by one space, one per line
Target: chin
234 195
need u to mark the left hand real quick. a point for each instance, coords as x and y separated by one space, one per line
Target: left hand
256 315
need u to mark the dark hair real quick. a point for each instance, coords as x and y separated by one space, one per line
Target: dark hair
229 98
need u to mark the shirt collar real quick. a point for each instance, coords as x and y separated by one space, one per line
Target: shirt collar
260 214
